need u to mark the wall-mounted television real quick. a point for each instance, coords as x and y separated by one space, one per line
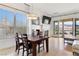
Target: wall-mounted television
46 20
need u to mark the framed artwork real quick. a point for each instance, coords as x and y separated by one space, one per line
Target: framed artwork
46 20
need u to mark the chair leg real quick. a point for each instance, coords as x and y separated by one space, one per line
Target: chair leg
18 51
27 52
23 52
73 53
38 48
43 45
30 51
18 48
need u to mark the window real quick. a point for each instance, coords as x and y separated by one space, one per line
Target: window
63 28
10 23
6 24
68 29
20 23
56 27
60 29
77 28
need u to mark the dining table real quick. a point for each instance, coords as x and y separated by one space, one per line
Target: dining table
34 40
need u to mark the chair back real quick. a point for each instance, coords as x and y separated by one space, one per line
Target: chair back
17 38
25 39
46 33
40 34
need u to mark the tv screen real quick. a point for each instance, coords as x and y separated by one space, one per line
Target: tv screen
46 20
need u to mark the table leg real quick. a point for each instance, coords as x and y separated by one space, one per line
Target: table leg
34 49
47 45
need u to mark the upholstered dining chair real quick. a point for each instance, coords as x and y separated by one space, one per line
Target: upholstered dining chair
19 43
27 45
46 33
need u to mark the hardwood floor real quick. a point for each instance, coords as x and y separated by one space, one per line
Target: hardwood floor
52 52
7 51
69 48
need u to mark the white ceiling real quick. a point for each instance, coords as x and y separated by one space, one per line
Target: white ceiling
54 8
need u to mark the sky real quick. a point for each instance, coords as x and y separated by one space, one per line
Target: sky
20 18
71 23
68 23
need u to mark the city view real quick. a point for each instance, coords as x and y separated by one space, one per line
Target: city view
10 23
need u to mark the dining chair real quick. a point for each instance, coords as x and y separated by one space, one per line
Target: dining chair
40 44
46 33
27 45
19 43
38 31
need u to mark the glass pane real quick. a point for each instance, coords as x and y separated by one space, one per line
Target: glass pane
60 29
6 24
20 23
68 29
77 28
56 26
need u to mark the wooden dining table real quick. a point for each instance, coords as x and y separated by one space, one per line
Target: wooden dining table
35 40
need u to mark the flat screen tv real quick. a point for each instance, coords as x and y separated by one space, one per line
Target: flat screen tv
46 20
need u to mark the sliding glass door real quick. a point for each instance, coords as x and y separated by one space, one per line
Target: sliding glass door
68 32
77 28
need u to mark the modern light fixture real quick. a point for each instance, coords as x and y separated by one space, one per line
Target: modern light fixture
32 16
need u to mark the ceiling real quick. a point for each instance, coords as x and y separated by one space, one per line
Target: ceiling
54 9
